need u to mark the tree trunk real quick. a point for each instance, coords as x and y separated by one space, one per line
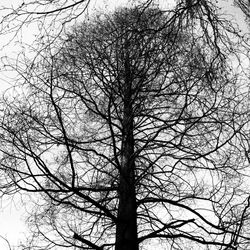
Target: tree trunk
126 228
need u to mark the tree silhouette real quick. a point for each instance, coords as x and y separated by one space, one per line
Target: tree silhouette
132 131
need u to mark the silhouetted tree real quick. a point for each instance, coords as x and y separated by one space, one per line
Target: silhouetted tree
133 130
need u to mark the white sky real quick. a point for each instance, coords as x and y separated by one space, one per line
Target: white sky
12 226
12 212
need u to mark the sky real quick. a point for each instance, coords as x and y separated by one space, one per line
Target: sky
12 222
12 212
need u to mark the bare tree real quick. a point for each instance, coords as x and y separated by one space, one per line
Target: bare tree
132 131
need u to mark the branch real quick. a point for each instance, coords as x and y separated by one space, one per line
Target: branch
86 242
6 242
59 9
170 225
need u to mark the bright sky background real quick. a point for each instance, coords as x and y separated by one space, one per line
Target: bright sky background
12 212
